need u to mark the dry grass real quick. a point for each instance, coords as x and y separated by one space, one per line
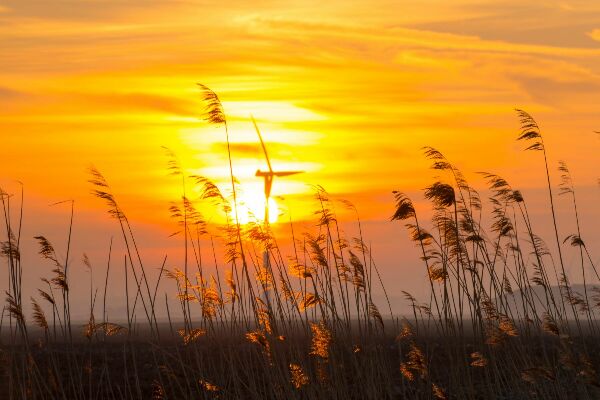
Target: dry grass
492 325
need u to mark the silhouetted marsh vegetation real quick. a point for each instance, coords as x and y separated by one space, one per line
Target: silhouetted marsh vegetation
501 321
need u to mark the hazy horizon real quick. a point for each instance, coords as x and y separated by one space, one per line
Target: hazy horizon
349 95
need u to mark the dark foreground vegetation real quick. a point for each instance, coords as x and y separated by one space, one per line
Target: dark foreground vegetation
502 319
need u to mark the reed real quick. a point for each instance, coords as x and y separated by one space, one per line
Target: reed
499 321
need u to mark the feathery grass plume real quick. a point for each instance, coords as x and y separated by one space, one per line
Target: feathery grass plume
90 328
86 262
14 308
47 250
419 235
567 187
425 309
415 364
38 315
48 253
506 286
232 241
535 374
342 269
321 340
10 247
499 186
502 224
211 192
298 377
406 372
317 252
549 324
213 109
406 332
158 392
574 240
102 191
358 272
573 298
517 196
404 207
359 245
263 316
207 386
188 297
175 274
209 189
595 297
441 194
46 296
173 165
539 246
191 336
288 293
259 337
530 131
507 326
538 277
189 217
489 308
60 279
264 277
374 313
493 335
231 294
478 360
438 392
257 233
111 329
300 271
308 300
326 217
437 274
436 156
472 200
211 300
566 182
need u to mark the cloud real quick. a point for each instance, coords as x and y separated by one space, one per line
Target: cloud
558 93
239 149
542 23
126 102
77 9
595 34
10 94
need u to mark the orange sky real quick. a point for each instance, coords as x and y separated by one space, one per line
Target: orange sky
347 91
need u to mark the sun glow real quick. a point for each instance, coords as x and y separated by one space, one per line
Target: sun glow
251 207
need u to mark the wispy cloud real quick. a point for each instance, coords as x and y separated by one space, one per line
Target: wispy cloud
595 34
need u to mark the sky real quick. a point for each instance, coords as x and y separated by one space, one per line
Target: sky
348 92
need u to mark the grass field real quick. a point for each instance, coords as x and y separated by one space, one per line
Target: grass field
501 321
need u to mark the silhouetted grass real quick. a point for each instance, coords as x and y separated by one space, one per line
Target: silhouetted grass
501 321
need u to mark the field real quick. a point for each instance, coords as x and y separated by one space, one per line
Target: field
501 321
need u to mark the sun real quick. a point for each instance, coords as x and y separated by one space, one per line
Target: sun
251 207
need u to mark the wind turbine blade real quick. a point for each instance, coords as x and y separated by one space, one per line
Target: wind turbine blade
262 143
286 173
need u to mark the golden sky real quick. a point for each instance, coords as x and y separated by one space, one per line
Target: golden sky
347 91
